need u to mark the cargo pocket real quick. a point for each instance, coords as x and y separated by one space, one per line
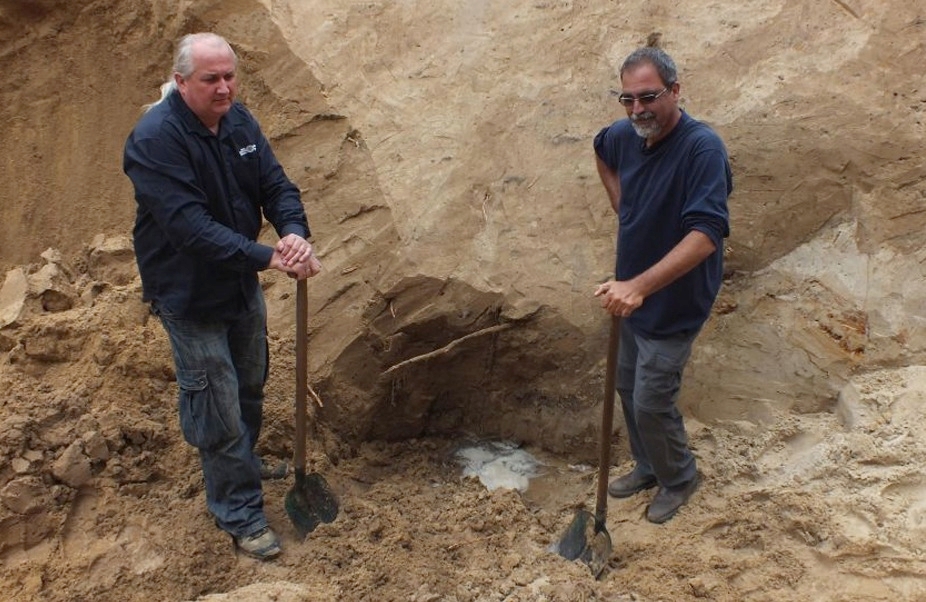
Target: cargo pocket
202 420
660 382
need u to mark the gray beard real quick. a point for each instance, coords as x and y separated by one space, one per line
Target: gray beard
645 130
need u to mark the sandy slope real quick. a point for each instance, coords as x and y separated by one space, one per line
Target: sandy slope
444 153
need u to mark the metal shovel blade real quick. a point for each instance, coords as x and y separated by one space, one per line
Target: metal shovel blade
310 502
575 539
598 553
584 541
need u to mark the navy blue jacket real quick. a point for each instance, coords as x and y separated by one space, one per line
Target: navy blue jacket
201 202
678 185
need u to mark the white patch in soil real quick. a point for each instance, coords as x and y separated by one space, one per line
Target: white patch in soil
498 464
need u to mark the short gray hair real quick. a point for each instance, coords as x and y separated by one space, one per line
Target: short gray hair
183 56
183 60
658 58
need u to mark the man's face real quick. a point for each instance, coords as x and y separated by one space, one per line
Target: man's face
210 90
654 119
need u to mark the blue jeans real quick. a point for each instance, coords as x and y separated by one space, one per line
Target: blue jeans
221 370
649 378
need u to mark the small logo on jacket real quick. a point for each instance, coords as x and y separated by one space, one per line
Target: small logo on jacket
247 149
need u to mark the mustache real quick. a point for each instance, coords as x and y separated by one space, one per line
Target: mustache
643 115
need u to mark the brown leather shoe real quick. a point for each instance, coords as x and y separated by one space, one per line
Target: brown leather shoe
631 483
668 500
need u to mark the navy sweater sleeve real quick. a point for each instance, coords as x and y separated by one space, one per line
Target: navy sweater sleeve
709 183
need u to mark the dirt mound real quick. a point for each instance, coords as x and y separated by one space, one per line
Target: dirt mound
444 153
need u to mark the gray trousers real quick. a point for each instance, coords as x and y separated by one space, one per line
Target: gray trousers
649 378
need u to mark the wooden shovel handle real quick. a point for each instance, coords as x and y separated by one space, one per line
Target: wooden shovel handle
607 420
302 372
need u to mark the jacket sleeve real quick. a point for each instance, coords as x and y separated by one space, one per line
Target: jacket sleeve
161 170
281 200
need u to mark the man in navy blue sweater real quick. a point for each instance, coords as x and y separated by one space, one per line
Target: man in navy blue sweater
205 178
668 179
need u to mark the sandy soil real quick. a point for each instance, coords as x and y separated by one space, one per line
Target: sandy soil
444 152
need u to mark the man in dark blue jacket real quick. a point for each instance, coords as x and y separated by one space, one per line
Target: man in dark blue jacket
668 179
205 178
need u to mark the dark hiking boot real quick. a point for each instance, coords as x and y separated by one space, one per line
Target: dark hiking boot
271 472
668 500
262 545
630 484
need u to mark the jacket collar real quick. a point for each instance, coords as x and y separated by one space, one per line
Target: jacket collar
192 122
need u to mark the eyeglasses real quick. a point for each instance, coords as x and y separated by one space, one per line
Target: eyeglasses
645 99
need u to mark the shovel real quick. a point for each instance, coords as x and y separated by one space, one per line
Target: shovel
310 501
587 536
